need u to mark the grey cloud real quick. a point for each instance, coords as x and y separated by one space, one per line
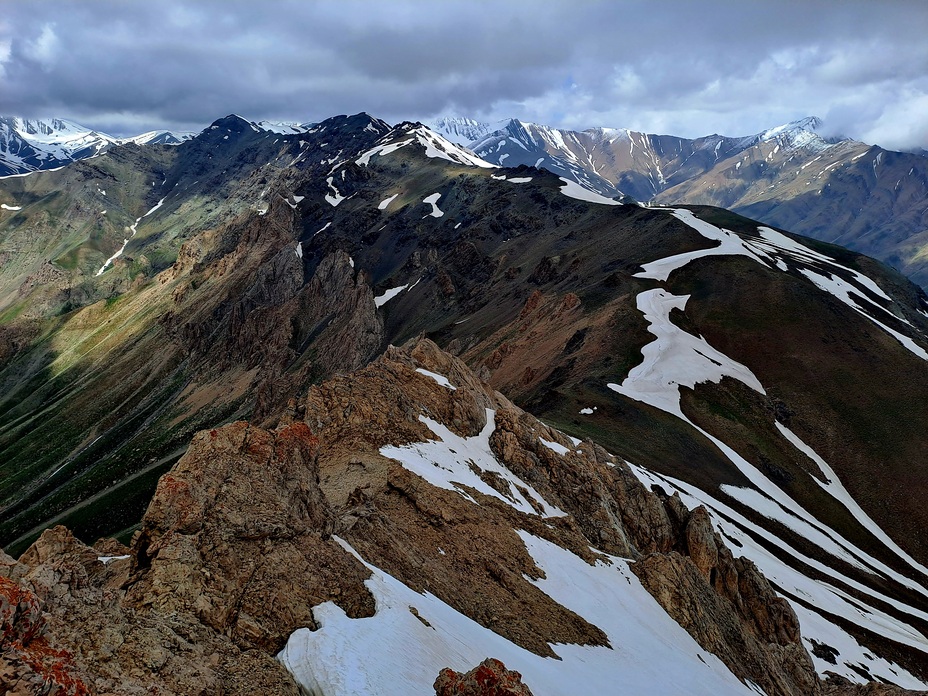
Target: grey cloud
722 66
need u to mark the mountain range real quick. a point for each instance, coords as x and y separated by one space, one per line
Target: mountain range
842 191
28 145
358 404
837 190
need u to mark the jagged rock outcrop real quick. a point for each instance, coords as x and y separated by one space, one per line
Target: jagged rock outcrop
489 678
232 555
237 535
731 610
28 665
96 642
254 529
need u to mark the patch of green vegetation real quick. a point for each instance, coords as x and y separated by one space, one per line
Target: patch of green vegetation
119 510
12 312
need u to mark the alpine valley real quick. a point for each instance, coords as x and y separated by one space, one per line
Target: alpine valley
349 408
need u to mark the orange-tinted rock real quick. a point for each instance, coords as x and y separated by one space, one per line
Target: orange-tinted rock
489 678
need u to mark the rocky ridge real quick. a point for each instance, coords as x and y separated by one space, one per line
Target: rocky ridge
247 536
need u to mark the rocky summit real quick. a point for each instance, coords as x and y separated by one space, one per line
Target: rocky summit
273 543
344 408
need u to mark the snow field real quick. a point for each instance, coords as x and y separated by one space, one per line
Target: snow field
395 654
448 463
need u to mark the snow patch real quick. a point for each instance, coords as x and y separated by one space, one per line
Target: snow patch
4 206
572 189
388 295
380 151
386 201
335 197
432 200
451 463
554 446
441 379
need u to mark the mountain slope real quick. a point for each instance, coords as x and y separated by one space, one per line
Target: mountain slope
461 130
420 575
797 368
860 196
29 145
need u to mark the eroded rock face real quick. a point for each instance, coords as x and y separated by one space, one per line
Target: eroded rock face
28 664
489 678
232 555
95 642
238 536
239 545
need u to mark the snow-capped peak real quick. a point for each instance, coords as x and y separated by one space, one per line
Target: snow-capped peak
462 130
27 145
809 123
283 127
799 133
158 137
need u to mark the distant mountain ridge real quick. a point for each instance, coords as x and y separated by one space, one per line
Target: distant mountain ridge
28 145
838 190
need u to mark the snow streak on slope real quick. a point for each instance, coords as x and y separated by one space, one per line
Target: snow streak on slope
125 242
730 244
381 300
381 150
828 599
394 653
677 358
774 249
449 463
843 291
572 189
440 379
434 144
833 485
437 146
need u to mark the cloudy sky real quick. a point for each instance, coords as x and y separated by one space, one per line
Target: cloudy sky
687 68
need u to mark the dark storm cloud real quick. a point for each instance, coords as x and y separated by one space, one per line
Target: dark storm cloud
682 67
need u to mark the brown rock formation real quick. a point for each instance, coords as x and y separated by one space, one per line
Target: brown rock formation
232 556
237 536
236 549
489 678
